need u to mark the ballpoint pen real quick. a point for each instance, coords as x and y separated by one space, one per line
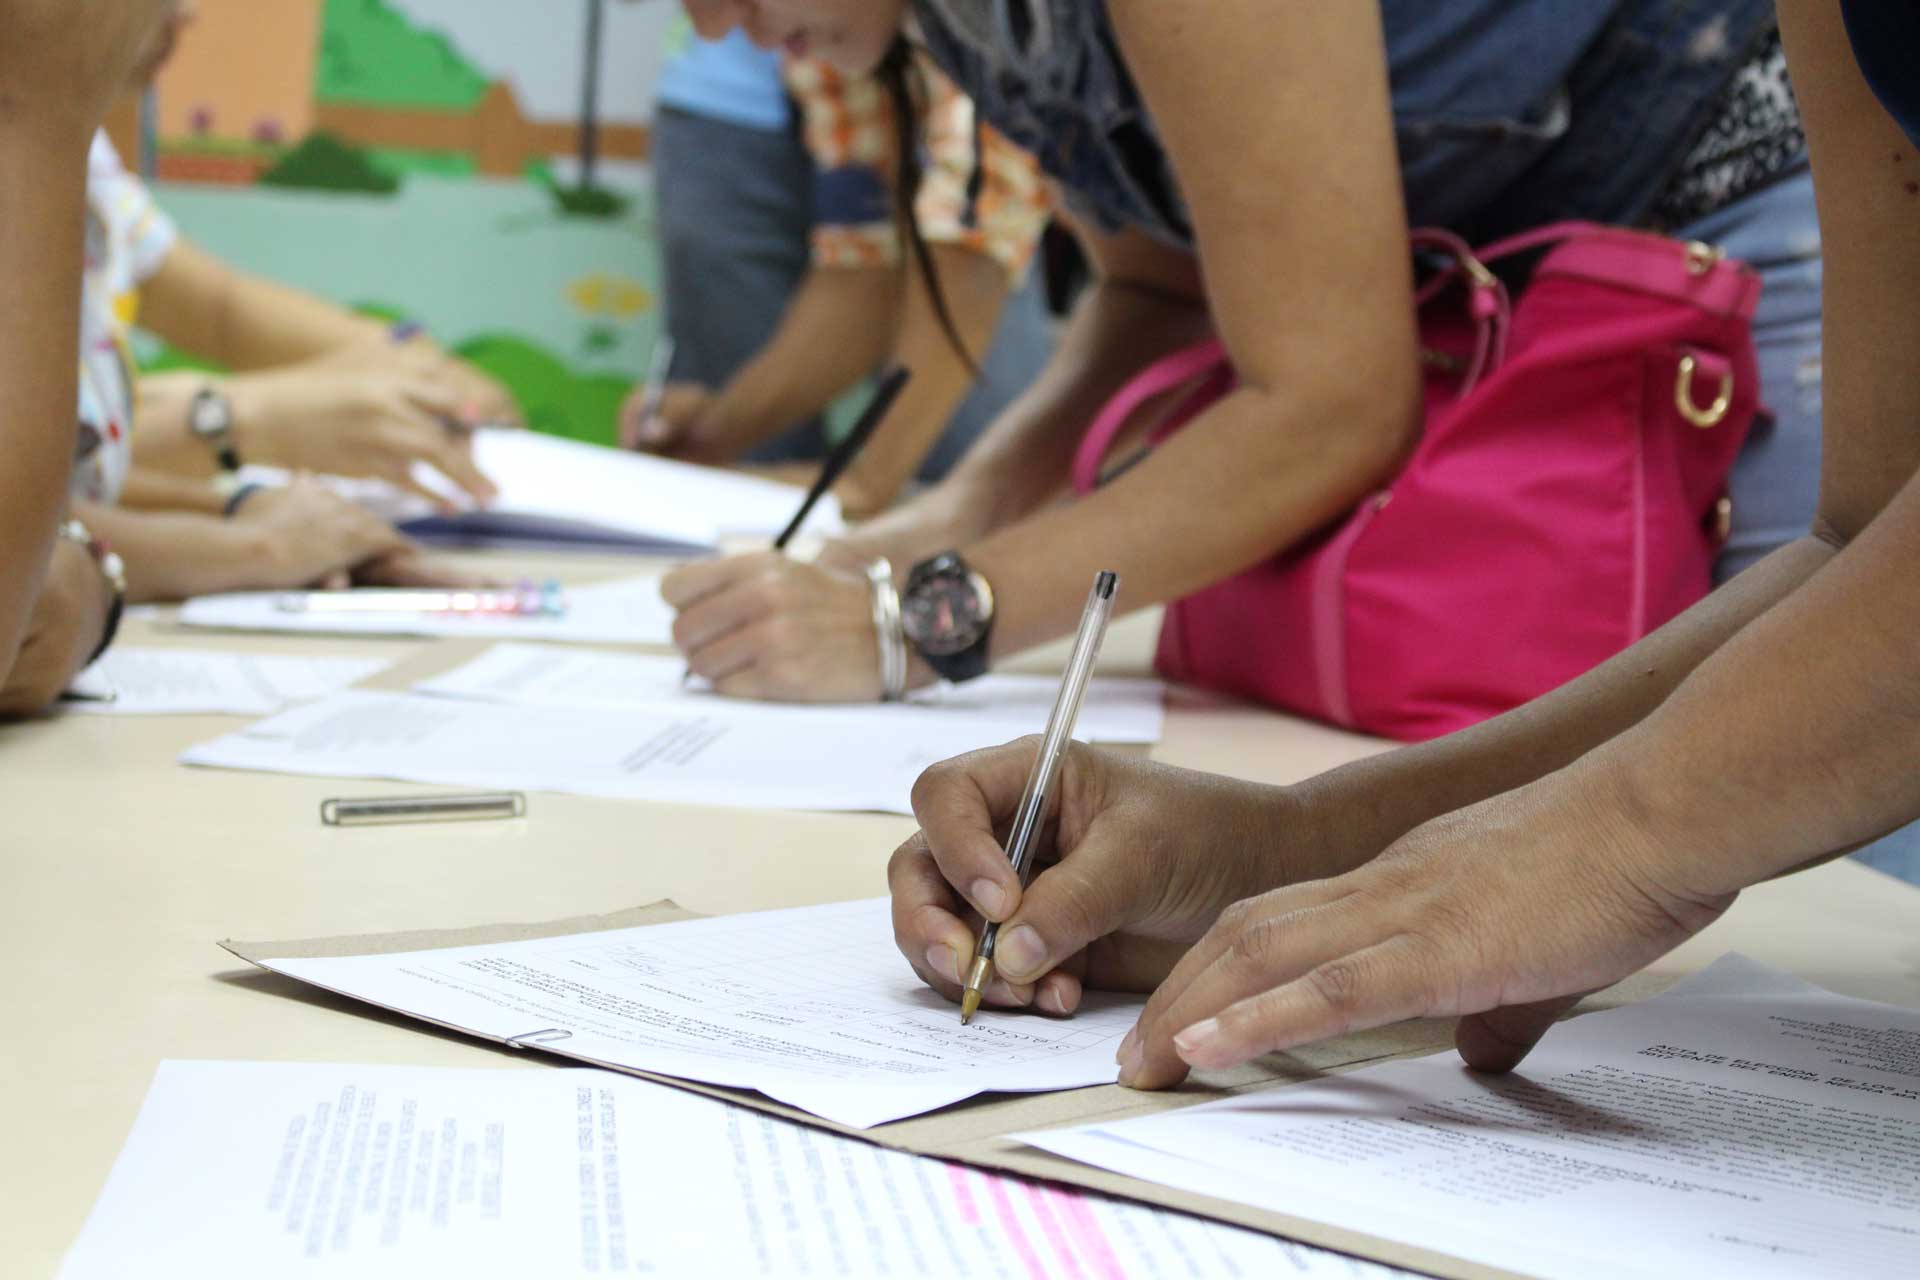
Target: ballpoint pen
656 386
1031 815
527 599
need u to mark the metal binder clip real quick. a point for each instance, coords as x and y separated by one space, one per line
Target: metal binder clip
550 1035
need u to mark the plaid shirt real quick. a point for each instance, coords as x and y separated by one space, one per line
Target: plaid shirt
849 128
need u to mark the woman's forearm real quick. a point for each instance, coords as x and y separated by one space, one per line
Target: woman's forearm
1253 474
1118 329
150 490
43 165
175 555
202 305
834 332
1796 739
1353 812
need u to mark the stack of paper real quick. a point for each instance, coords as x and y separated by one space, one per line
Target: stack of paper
134 681
813 1006
629 611
1743 1124
394 1173
1001 707
561 492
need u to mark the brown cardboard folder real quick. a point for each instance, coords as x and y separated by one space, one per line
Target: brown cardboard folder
975 1132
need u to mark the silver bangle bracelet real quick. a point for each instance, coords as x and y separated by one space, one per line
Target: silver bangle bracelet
888 633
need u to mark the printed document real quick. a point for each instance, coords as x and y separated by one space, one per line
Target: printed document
1004 707
563 493
732 755
625 612
814 1007
134 681
398 1173
1744 1124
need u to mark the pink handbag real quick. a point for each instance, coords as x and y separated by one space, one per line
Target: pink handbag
1566 497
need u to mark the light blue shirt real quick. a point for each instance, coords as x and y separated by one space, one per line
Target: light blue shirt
727 79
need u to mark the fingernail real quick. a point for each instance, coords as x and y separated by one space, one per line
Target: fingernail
1127 1043
1020 953
1197 1038
942 960
1050 1000
1131 1059
989 897
999 992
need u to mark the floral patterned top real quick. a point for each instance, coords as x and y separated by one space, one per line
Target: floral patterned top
128 237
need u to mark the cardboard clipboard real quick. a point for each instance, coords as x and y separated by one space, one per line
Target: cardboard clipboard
975 1132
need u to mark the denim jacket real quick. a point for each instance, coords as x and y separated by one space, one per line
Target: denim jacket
1508 113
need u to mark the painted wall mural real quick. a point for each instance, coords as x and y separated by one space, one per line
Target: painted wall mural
475 165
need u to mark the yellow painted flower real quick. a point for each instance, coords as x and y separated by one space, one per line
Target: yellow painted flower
611 296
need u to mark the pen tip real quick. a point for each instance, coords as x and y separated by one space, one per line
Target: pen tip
969 1005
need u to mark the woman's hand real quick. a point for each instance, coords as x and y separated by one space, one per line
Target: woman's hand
329 417
1140 861
678 428
478 397
305 536
65 627
1506 912
764 626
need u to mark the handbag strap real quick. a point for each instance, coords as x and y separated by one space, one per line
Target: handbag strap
1166 374
1489 305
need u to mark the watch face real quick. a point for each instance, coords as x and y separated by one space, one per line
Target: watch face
209 415
945 612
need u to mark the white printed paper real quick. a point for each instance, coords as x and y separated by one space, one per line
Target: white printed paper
398 1173
562 491
1002 707
565 493
135 681
626 612
719 754
1745 1124
814 1007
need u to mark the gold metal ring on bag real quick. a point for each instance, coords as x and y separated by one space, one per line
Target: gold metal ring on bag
1713 414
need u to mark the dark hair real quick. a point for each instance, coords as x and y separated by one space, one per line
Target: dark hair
896 74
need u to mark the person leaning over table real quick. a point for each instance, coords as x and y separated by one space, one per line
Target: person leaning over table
980 207
1501 872
61 64
314 388
1252 170
175 534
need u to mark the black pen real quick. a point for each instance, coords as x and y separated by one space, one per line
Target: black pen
892 382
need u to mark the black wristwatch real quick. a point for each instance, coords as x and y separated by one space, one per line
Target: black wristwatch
210 418
947 611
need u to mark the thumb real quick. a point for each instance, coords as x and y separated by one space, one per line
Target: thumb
1498 1039
1066 908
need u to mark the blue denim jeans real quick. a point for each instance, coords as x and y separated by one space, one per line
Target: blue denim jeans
1507 113
1775 483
